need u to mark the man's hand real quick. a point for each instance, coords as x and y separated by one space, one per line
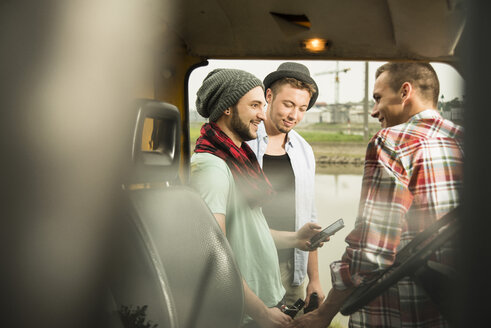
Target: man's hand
299 239
323 316
314 281
304 234
314 287
273 318
310 320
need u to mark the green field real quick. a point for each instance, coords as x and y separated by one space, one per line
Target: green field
314 133
325 136
194 132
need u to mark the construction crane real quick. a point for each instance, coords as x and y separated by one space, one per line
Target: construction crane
336 80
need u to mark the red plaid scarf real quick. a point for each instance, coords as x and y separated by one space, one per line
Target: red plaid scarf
243 163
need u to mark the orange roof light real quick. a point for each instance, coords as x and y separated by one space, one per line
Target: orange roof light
315 45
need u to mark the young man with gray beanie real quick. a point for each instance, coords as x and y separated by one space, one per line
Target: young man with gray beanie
226 173
289 162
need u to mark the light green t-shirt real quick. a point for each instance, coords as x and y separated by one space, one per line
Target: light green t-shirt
247 230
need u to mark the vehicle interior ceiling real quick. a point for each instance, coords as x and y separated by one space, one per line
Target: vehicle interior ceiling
269 29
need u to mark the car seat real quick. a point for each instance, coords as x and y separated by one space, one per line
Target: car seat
178 269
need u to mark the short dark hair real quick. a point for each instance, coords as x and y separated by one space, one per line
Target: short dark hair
422 77
294 83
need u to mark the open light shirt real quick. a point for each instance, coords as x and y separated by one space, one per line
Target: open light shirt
303 165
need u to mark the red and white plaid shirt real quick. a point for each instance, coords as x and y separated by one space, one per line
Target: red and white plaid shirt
413 176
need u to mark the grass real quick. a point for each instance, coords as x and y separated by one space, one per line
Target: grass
324 136
310 135
341 126
194 129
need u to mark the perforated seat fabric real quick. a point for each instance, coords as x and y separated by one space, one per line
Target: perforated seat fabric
203 277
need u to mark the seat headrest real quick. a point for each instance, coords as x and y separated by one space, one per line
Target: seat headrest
156 142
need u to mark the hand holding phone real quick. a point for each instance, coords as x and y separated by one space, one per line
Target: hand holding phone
327 232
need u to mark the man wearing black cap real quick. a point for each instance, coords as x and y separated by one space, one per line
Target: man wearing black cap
227 175
288 162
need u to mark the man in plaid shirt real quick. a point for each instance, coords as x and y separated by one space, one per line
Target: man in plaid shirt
413 176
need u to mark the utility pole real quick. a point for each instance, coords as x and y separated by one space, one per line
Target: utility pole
336 85
365 105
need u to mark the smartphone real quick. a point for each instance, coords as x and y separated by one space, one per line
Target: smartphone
327 232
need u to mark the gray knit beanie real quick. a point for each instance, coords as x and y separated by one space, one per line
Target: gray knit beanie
223 88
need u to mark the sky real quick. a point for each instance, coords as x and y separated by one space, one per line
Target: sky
351 83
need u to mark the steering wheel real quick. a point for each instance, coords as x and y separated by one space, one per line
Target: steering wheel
407 263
